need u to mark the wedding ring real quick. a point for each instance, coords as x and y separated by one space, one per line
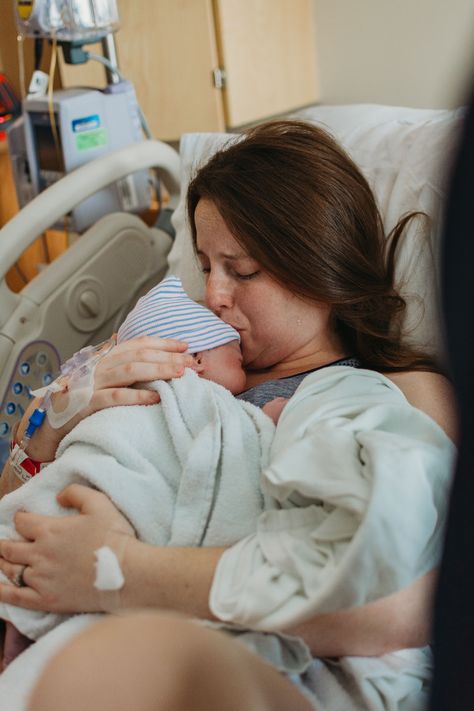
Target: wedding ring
19 579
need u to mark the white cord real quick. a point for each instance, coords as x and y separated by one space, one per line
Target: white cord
21 64
107 63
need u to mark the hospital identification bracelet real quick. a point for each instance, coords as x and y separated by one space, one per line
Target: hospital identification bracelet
22 465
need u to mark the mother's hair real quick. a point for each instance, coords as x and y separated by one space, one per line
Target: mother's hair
298 204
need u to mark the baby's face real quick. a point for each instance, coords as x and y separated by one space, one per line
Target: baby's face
223 365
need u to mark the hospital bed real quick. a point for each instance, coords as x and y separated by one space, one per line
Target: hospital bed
405 155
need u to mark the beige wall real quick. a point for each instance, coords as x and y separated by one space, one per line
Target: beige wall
402 52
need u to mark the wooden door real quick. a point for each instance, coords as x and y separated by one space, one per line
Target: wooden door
267 49
168 49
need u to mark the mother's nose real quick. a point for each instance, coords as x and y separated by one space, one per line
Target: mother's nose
218 294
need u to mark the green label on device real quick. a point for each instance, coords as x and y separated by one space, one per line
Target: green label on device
91 139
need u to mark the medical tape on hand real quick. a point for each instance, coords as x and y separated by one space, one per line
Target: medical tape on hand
109 578
77 400
75 385
77 394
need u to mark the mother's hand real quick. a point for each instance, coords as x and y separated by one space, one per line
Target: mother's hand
59 553
135 361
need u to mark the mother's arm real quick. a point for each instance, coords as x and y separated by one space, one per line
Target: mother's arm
398 621
433 394
135 361
180 579
60 576
60 556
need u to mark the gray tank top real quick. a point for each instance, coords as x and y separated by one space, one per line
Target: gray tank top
260 394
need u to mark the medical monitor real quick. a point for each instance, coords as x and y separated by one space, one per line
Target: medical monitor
77 126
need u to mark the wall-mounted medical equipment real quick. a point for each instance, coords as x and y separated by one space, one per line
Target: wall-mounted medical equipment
82 297
54 138
60 131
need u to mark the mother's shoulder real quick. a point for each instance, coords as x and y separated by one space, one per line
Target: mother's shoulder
432 393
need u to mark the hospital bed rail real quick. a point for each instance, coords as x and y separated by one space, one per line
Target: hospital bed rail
81 297
54 202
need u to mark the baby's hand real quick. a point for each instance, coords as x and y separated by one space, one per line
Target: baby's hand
274 407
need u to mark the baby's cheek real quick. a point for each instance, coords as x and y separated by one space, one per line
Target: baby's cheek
237 382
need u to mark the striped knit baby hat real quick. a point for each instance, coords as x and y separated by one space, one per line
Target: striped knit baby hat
168 312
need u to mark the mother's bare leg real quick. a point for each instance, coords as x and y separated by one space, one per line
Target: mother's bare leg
155 662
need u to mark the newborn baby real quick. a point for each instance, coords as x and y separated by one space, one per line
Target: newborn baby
167 311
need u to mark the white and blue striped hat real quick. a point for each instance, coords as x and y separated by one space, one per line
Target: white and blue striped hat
168 312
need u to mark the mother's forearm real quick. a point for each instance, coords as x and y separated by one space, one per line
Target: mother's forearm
171 578
8 482
41 447
399 621
180 580
44 442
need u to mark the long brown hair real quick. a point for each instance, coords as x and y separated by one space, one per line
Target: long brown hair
298 205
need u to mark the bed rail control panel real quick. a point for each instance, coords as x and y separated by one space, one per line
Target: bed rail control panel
37 365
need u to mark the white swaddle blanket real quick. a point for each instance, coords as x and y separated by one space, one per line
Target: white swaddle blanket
361 480
185 472
356 490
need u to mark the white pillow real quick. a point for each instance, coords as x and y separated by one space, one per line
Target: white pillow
195 149
405 156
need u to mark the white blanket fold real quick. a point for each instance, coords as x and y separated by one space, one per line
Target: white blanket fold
361 480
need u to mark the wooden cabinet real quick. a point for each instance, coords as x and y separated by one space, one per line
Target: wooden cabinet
267 49
176 51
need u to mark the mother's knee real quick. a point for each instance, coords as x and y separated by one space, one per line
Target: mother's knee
145 661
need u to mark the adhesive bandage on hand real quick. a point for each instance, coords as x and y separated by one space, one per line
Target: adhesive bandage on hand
72 391
109 577
108 573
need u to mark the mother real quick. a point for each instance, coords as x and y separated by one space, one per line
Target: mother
293 250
